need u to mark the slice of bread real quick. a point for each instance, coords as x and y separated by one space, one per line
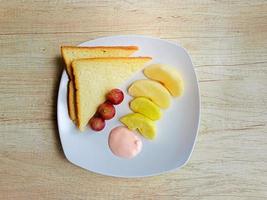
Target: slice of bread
70 53
71 101
95 77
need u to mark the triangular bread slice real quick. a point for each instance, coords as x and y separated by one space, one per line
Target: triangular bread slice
95 77
70 53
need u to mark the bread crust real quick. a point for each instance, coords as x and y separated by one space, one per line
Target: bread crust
101 47
111 58
71 101
77 101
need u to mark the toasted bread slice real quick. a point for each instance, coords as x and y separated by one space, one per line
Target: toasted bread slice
71 101
95 77
70 53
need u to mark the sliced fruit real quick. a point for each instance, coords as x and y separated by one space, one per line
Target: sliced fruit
152 90
168 76
115 96
106 110
143 124
146 107
97 123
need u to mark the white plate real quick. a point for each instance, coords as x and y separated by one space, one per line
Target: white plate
177 129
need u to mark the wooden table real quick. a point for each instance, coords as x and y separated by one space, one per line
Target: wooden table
228 45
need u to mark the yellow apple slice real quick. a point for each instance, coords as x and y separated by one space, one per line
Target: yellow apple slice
168 76
152 90
145 107
136 121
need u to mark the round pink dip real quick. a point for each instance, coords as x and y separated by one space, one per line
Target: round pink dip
124 143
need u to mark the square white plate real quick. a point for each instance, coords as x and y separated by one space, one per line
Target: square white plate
177 129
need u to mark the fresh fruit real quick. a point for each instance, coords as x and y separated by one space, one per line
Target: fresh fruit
106 110
115 96
152 90
168 76
97 123
146 107
143 124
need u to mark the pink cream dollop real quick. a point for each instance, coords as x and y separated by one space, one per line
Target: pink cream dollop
124 143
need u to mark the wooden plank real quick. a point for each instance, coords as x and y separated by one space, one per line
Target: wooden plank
227 43
185 19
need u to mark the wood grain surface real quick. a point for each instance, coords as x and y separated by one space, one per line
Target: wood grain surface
227 41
